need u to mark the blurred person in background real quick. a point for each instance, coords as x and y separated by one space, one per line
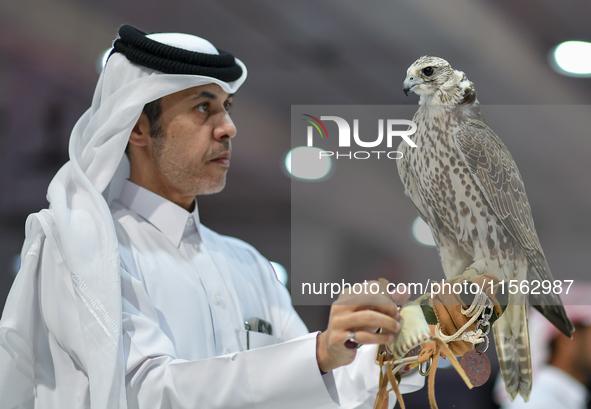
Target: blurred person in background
561 366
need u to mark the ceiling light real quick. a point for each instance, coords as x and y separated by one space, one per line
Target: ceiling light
102 60
422 232
16 264
305 162
280 272
572 58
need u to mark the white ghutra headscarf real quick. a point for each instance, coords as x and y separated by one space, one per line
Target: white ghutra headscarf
78 232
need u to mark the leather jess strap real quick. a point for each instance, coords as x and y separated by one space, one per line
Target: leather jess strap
453 321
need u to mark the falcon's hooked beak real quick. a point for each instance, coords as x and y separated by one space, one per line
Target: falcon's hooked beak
410 84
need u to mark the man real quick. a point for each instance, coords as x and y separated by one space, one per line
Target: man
145 308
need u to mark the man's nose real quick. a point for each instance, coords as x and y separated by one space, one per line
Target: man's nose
225 128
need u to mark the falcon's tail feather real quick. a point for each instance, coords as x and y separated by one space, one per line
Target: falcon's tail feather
549 305
512 343
553 313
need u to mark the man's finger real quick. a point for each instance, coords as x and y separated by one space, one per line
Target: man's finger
391 309
371 338
364 299
366 318
400 298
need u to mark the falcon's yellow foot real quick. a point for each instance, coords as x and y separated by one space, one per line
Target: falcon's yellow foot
422 298
468 274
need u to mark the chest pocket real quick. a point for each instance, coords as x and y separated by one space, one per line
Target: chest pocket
253 339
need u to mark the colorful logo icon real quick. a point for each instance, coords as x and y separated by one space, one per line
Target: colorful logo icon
310 131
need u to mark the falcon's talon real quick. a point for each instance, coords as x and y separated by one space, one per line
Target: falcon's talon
471 273
422 298
468 274
456 278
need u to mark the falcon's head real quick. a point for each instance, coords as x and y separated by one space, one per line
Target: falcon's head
438 83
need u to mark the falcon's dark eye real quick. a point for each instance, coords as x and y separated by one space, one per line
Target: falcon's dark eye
428 71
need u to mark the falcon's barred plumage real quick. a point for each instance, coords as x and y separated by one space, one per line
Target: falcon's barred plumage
466 186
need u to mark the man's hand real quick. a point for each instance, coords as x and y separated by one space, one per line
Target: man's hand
362 314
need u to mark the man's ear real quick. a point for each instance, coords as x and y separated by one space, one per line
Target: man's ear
140 132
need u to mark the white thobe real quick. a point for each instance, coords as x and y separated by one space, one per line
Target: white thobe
552 389
187 292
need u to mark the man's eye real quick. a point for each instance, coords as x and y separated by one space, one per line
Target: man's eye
203 107
227 106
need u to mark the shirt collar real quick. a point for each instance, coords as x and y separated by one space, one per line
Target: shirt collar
166 216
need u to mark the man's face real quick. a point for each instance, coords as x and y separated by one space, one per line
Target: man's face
192 149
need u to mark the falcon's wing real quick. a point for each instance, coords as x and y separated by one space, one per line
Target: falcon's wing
410 186
494 171
496 174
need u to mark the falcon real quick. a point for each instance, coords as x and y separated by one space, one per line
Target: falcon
466 186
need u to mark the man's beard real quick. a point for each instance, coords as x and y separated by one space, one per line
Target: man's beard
182 176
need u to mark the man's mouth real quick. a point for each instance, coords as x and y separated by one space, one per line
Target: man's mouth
222 159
